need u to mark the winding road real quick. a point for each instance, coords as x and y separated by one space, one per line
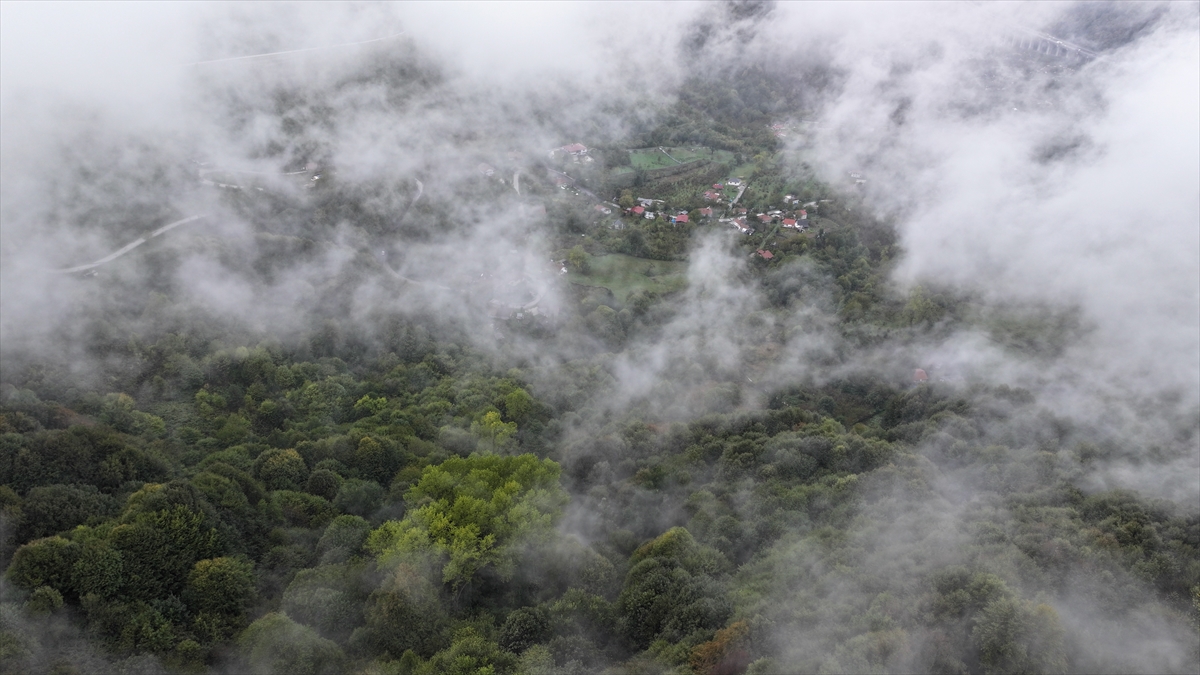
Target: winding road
129 247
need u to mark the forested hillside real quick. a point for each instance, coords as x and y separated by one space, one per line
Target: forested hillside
399 416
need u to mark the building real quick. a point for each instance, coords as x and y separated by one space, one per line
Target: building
681 218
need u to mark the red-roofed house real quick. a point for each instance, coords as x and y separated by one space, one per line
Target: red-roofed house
919 375
706 212
789 222
712 196
803 214
764 218
575 149
766 255
718 186
681 218
637 210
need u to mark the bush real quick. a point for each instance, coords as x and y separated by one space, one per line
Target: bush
342 539
277 645
43 600
358 497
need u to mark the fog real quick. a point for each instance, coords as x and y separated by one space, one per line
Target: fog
1053 192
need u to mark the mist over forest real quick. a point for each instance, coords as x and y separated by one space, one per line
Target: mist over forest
561 338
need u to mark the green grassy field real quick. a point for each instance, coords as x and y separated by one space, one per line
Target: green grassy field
653 158
624 274
744 170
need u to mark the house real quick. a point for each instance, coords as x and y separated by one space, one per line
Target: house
575 149
741 211
803 214
766 255
712 196
649 202
603 209
764 218
742 227
637 210
487 169
733 182
920 376
681 218
649 215
718 186
787 199
706 212
789 223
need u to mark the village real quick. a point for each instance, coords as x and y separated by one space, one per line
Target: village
721 199
624 218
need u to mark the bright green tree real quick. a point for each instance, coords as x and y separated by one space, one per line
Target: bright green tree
577 258
470 509
493 428
518 404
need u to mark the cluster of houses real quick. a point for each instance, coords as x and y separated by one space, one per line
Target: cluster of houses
643 210
714 195
792 220
578 152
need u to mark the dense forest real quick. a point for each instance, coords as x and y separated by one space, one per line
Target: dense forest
363 466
